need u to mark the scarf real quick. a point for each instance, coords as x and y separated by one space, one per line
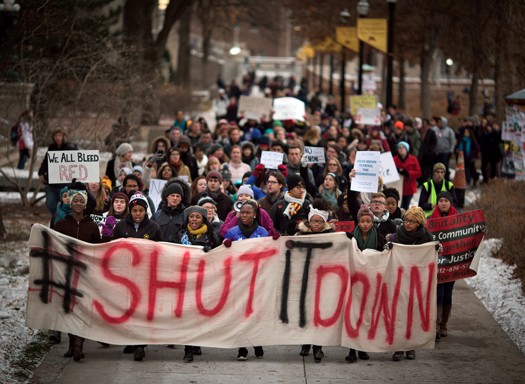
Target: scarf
330 196
371 239
199 231
383 218
416 237
62 211
248 231
436 213
294 205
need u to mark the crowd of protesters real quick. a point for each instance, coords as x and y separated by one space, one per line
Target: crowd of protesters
218 191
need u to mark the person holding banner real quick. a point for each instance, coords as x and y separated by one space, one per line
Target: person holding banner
432 187
412 232
170 215
80 227
392 204
207 203
408 166
443 208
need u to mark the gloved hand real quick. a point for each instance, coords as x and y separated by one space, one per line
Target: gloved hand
258 170
350 235
282 168
206 249
484 229
276 235
388 246
227 243
403 171
107 228
439 248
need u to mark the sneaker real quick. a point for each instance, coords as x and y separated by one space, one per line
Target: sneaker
305 350
352 357
363 355
197 351
411 355
242 354
398 355
128 349
318 355
259 352
139 354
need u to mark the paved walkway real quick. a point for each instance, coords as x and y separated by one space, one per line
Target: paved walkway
476 351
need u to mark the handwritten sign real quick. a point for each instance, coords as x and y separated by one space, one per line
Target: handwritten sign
155 191
387 168
460 235
366 171
252 107
313 155
64 166
271 160
368 116
288 108
316 289
362 101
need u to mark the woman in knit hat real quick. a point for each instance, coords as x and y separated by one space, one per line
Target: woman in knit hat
412 232
122 159
210 205
443 208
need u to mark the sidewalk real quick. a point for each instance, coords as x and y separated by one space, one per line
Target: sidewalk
476 351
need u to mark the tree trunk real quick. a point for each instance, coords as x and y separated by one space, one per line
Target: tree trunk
3 232
184 56
473 95
401 95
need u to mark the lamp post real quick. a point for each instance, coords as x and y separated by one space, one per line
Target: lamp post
390 52
362 11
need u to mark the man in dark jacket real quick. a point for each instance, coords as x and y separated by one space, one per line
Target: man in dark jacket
224 202
170 217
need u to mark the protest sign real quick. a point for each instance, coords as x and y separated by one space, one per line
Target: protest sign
368 116
387 168
251 107
318 289
271 160
460 235
313 155
366 171
155 191
288 108
362 101
64 166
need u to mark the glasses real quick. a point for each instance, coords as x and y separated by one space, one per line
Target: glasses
409 221
313 221
379 202
271 182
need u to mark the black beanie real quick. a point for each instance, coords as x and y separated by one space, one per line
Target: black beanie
293 180
174 188
446 195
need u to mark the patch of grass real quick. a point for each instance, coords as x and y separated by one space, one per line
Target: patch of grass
31 356
504 205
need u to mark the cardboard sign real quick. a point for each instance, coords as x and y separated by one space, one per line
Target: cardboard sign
387 168
368 116
313 155
64 166
271 160
254 107
155 191
317 289
460 235
362 101
288 108
366 171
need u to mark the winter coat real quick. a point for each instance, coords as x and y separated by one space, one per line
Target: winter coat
429 192
231 221
420 236
411 165
85 229
304 229
281 222
446 139
267 202
170 221
235 233
147 229
224 204
208 240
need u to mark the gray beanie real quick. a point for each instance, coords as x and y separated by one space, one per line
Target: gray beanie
195 208
206 199
123 148
174 188
245 189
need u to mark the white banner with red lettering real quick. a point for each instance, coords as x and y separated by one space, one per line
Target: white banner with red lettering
316 289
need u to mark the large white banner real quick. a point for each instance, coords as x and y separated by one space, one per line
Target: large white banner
64 166
288 108
316 289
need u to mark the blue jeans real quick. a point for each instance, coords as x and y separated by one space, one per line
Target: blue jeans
444 293
24 155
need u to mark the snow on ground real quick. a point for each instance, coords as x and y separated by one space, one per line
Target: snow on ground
500 293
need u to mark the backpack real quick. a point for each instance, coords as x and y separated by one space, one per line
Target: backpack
14 135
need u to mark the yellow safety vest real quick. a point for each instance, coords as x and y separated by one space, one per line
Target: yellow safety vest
433 195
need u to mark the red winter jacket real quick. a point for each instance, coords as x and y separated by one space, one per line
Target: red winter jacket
411 164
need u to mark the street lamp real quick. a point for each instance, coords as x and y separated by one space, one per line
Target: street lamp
9 6
362 11
390 52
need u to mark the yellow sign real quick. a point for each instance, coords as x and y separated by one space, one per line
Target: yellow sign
308 51
373 32
328 45
362 101
347 36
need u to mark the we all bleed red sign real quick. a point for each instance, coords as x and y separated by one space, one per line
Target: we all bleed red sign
460 235
316 289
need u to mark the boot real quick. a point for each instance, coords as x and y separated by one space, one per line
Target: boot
69 352
439 316
139 353
363 355
197 351
318 353
259 352
444 320
352 356
397 356
78 345
188 354
411 355
305 350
